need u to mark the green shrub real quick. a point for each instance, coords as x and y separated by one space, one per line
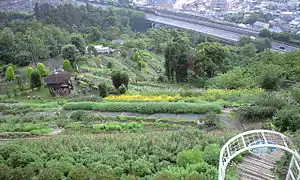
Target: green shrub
162 78
78 115
35 80
234 79
103 176
118 78
4 172
165 176
269 80
270 100
110 65
211 154
67 66
192 156
122 89
10 74
79 173
145 107
270 125
103 89
288 118
41 69
142 168
256 113
20 173
195 176
50 174
296 93
124 53
28 72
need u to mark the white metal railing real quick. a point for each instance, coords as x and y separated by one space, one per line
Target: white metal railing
247 141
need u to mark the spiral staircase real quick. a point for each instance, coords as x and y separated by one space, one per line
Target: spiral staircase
266 148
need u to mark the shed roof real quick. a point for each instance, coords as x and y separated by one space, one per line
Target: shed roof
58 77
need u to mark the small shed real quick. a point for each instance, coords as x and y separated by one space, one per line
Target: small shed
59 83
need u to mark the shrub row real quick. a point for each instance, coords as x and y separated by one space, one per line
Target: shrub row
256 113
145 108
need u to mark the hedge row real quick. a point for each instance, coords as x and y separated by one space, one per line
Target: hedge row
145 107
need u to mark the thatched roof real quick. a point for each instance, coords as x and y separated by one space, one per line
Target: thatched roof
57 78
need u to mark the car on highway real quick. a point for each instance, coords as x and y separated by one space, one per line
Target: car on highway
282 47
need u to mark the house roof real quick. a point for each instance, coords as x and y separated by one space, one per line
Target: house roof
57 78
260 24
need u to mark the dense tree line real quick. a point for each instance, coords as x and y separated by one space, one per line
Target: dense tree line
249 64
81 18
24 41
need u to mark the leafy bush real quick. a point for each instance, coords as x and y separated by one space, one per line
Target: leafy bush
79 173
67 66
165 176
145 108
234 79
195 176
69 52
269 80
4 172
118 78
110 65
124 53
50 174
192 156
20 173
270 100
288 118
211 154
41 69
116 154
78 115
35 80
28 72
296 93
256 113
10 74
122 89
103 90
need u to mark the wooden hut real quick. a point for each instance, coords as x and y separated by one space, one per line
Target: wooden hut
59 83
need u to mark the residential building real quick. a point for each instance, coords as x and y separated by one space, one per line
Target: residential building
103 50
275 30
220 5
261 25
294 26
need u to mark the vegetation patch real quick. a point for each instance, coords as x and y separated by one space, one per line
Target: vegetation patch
145 107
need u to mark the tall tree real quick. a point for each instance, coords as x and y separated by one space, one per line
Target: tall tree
78 41
176 58
7 45
69 52
210 58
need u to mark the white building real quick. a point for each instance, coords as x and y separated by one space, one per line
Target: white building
261 25
220 5
103 50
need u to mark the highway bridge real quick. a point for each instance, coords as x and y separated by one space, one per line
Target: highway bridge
220 33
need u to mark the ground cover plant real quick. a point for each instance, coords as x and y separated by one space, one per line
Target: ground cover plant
145 108
136 156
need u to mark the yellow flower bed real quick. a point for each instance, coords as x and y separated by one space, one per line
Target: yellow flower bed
141 98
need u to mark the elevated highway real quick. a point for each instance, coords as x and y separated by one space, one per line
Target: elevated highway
212 30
